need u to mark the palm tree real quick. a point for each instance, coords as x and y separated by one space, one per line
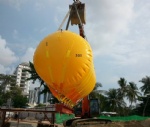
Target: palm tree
123 87
95 93
132 92
103 103
34 76
114 101
146 89
97 85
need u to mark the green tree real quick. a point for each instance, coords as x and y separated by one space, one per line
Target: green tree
132 92
95 93
19 101
143 107
123 88
16 97
15 91
4 81
146 90
15 94
114 101
34 76
146 85
103 103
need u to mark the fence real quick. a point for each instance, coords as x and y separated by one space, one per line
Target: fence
18 116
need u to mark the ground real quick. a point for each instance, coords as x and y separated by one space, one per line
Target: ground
145 123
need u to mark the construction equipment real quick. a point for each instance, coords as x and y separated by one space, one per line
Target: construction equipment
89 108
77 17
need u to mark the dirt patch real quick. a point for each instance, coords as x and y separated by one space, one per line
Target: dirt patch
113 124
145 123
133 124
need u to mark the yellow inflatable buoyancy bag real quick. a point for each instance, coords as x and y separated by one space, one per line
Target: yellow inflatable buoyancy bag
64 60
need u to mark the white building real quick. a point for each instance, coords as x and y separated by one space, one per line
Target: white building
35 96
21 76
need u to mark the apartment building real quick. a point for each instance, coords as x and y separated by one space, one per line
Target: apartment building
21 76
35 97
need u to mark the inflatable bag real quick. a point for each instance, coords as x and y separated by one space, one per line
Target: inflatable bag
64 61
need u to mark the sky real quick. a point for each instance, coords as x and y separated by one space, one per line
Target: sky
117 30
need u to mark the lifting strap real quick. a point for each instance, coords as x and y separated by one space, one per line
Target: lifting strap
81 29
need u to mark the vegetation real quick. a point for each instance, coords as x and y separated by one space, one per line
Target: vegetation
35 77
113 100
40 105
13 97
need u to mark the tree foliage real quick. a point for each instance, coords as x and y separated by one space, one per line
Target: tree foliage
95 93
19 101
6 80
35 77
146 85
111 100
132 92
14 94
114 101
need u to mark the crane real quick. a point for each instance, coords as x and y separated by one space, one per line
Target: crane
76 16
89 107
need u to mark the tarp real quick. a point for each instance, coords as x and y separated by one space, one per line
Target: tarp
124 118
60 118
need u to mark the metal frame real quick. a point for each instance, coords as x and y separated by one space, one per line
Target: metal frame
58 108
52 121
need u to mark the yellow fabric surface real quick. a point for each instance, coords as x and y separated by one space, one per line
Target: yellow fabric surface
64 60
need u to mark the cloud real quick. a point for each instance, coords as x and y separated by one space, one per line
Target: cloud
4 70
28 56
132 54
132 49
119 30
14 3
106 20
7 70
51 4
7 56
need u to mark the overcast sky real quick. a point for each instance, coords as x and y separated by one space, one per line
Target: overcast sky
117 30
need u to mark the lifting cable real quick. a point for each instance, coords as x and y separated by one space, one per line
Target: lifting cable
69 14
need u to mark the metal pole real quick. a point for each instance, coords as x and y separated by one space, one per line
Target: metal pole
3 118
53 120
